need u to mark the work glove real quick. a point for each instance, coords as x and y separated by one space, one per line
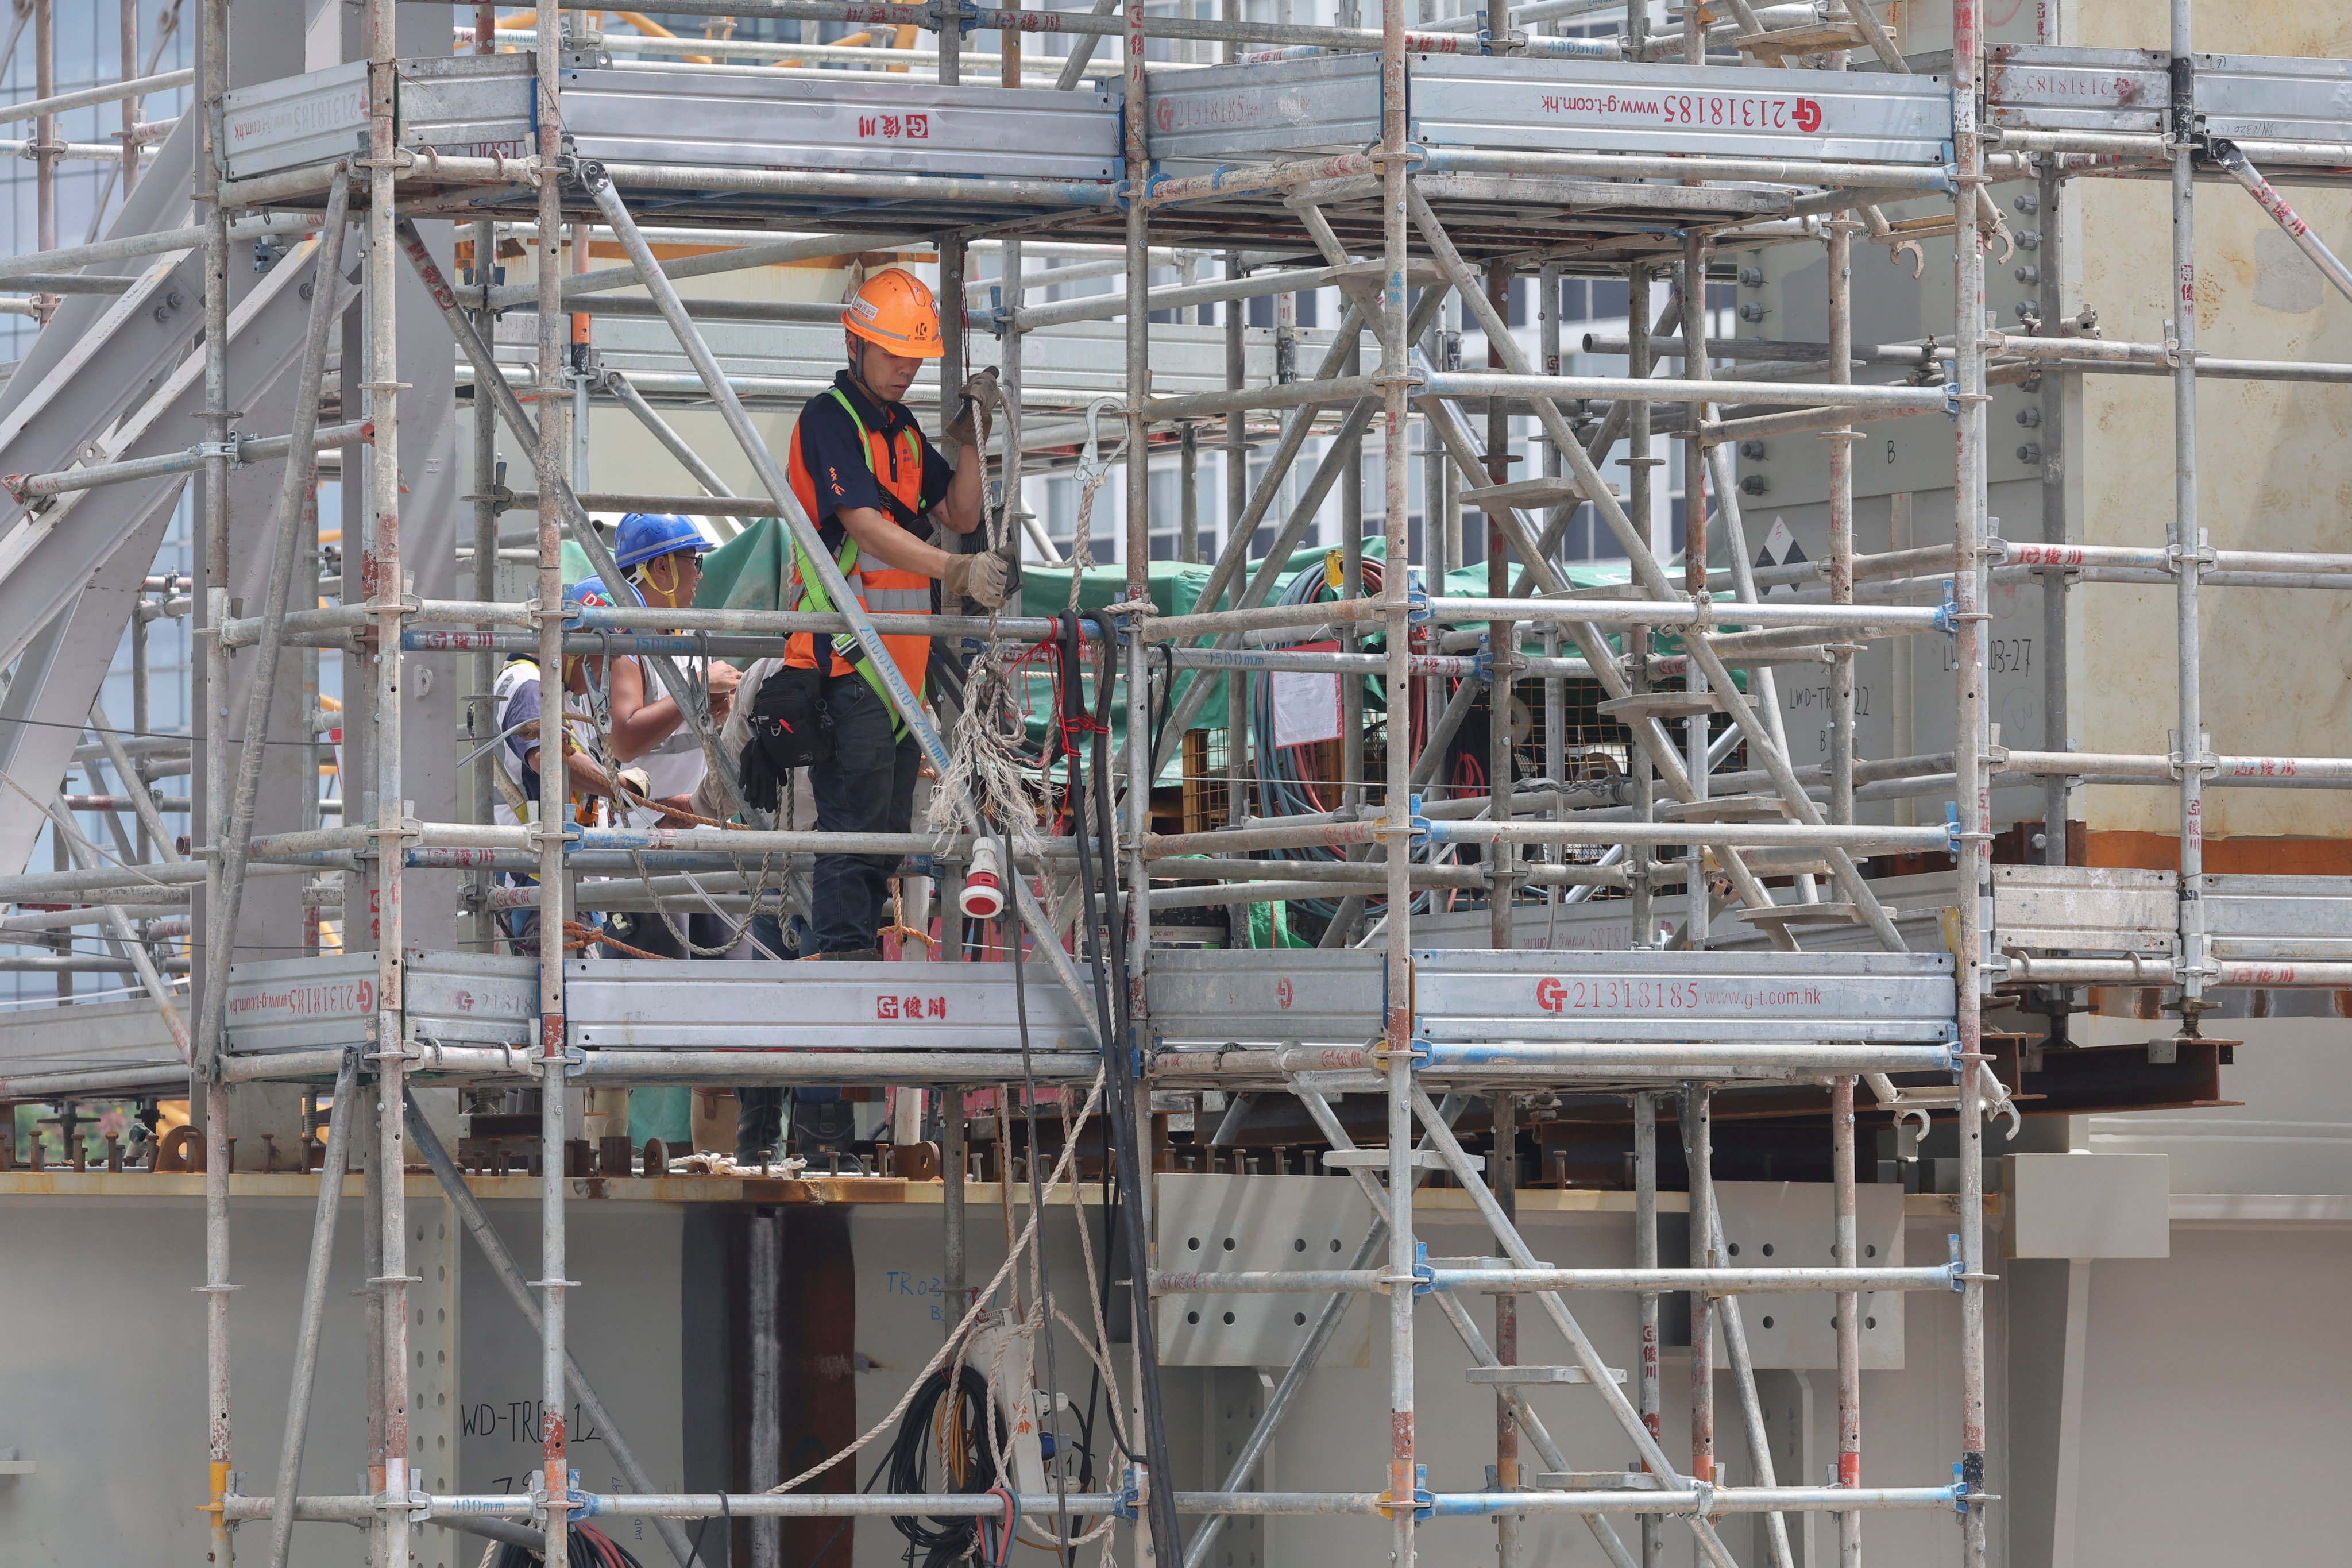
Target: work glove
638 783
964 428
979 578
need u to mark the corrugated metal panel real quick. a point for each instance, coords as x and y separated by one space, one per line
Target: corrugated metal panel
2038 88
869 121
295 1004
2266 99
1280 995
1605 106
1239 113
1710 997
469 105
2279 920
640 1004
300 120
2085 909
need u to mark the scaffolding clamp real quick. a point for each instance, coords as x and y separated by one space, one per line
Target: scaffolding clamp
1705 1505
1952 835
575 1062
1948 614
1425 1276
1424 1503
966 15
1420 832
1135 1484
1482 663
1958 1269
1416 606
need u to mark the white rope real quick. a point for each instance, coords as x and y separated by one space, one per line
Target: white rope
955 1342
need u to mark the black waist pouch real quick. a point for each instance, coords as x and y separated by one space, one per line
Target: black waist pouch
790 728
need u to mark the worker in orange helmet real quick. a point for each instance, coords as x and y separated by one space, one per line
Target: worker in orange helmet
879 492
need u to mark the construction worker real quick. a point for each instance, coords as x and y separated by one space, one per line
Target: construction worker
878 490
660 555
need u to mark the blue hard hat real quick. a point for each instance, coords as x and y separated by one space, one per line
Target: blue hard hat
649 535
588 591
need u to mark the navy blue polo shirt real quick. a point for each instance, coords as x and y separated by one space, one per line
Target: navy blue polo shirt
830 456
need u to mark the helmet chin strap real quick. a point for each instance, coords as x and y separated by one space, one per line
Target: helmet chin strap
858 347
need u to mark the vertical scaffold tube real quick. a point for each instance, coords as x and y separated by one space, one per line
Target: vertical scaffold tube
1975 796
383 562
1840 454
1849 1318
1503 1170
2188 537
212 68
1647 1388
2053 432
547 461
1394 583
1698 1142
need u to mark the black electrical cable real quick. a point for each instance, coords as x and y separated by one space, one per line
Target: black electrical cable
944 1540
1119 1047
588 1545
1014 938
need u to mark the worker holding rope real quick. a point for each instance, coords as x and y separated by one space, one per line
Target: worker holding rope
878 489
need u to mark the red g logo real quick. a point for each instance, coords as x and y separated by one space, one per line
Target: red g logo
1809 115
1283 994
1550 995
1163 114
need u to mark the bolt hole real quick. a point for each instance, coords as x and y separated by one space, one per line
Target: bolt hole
1229 1319
1871 1250
1735 1250
1335 1244
1298 1245
1299 1320
1191 1317
1767 1323
1229 1244
1192 1244
1768 1249
1870 1323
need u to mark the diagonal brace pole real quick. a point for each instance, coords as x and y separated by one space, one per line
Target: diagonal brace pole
327 302
476 1221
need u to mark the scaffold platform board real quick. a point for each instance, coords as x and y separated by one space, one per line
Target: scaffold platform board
732 147
1330 103
2252 100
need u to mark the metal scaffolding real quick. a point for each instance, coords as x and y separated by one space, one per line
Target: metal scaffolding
1706 813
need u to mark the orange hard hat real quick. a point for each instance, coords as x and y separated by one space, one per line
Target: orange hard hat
894 310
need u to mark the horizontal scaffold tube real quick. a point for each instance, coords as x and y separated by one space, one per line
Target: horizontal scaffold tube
969 1505
1521 1281
2222 772
249 450
2269 974
1459 384
1696 1060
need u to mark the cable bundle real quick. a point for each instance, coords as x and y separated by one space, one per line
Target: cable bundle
590 1547
950 1428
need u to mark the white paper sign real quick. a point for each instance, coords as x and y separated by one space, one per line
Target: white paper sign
1305 705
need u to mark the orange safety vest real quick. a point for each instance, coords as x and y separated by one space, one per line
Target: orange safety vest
898 467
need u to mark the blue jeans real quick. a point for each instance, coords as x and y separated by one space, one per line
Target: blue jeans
868 787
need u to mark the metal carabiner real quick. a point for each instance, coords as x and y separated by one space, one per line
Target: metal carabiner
1090 465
